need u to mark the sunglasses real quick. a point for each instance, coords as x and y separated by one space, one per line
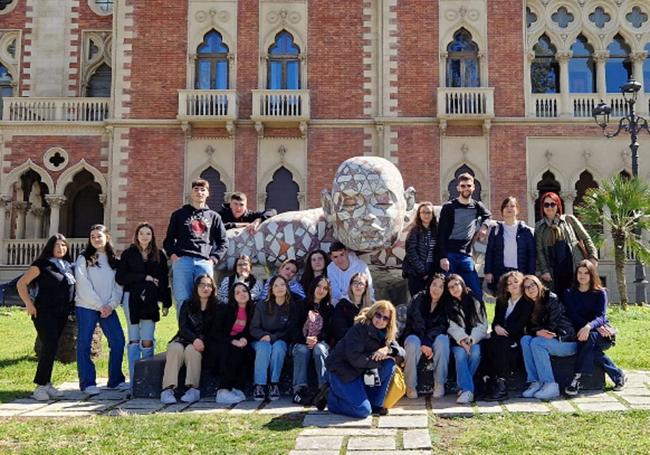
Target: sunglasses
205 285
382 317
550 205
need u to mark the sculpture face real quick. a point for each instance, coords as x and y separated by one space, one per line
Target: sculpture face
367 204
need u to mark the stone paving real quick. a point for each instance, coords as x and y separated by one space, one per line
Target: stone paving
404 431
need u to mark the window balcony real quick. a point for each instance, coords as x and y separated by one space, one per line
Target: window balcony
208 108
38 110
22 252
580 105
281 108
465 104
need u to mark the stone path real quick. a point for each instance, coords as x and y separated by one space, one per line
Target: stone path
405 431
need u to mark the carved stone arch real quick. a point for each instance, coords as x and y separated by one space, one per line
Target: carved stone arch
448 37
68 175
572 7
103 56
478 175
225 177
575 178
268 178
6 59
283 191
556 40
298 39
197 38
629 37
12 177
592 38
559 176
595 178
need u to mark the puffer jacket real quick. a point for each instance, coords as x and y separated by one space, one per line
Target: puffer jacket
553 319
417 250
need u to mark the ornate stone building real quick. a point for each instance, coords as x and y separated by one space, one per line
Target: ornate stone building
111 107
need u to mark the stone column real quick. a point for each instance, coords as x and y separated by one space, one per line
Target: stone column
601 86
566 110
55 202
569 197
5 204
533 194
638 58
21 211
38 213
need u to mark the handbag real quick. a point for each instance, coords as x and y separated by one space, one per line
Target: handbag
396 390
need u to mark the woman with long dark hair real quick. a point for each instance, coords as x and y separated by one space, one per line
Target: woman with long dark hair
347 308
586 307
54 302
467 327
316 264
188 346
97 297
144 274
561 242
420 259
242 274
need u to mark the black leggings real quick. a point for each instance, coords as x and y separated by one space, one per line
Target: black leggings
49 327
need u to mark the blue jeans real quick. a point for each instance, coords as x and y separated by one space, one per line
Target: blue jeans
301 355
591 352
464 266
139 334
466 366
269 354
440 348
185 271
537 356
86 322
354 398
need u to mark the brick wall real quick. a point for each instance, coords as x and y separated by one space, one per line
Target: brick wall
247 54
246 164
419 151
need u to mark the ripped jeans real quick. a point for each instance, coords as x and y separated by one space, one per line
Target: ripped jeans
141 343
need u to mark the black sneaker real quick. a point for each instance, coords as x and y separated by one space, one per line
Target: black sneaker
259 394
620 383
274 392
573 388
380 411
320 400
500 391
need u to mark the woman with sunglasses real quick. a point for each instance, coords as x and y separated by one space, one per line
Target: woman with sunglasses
420 260
347 309
363 363
242 274
562 242
467 327
586 307
550 333
188 346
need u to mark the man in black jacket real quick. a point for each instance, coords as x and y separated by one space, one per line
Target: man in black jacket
236 215
195 242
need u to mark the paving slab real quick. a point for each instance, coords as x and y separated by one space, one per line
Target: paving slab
388 452
417 439
68 386
46 412
334 420
636 399
403 422
314 452
640 391
11 412
74 395
106 394
206 406
174 408
410 407
246 407
372 443
142 403
282 406
600 397
562 405
78 406
526 405
24 404
488 407
349 432
454 410
319 442
602 407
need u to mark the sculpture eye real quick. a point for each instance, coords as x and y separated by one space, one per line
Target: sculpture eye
349 201
383 200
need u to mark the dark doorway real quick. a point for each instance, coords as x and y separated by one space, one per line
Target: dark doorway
217 188
548 183
282 192
82 208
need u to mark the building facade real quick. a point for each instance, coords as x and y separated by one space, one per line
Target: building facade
110 108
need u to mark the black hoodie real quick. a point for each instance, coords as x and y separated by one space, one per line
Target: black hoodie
249 216
196 232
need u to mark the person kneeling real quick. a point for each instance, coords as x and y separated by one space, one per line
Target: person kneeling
194 324
362 365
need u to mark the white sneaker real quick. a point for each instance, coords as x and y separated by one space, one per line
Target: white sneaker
52 391
241 395
411 393
167 397
549 391
532 389
40 393
191 395
438 390
92 390
225 396
465 397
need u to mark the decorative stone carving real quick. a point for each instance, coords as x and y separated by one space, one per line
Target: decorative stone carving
55 159
212 15
55 200
102 198
282 16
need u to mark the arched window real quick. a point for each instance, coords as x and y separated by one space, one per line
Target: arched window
548 183
6 87
217 188
452 186
284 63
212 63
82 208
582 74
462 61
545 71
99 84
282 192
646 70
583 185
618 68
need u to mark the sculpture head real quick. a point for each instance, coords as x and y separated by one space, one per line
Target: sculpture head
368 203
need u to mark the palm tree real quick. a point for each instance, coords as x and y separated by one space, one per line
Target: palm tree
623 205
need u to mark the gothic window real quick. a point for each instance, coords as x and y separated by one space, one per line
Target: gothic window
583 185
548 183
545 71
599 17
217 188
636 17
4 4
531 17
646 70
451 187
284 63
562 17
212 63
462 61
618 68
6 87
82 208
282 192
99 84
582 74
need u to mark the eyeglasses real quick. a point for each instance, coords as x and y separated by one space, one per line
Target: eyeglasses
382 317
453 284
426 212
358 283
205 285
550 205
528 287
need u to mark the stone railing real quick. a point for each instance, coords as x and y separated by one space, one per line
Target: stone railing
207 105
466 102
55 109
23 252
282 105
545 105
580 105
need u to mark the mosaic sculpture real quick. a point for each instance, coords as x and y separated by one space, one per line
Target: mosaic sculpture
368 210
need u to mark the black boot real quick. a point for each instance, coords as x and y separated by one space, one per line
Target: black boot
500 391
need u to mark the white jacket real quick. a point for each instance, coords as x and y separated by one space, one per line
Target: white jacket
96 286
340 279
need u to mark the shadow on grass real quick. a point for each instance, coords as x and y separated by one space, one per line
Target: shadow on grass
285 422
4 363
7 396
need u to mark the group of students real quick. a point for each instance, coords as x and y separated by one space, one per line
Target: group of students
328 312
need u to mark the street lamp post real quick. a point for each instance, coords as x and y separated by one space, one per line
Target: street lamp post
633 124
